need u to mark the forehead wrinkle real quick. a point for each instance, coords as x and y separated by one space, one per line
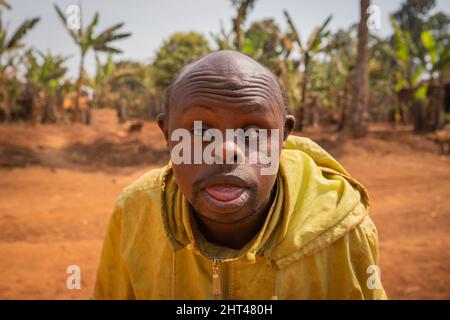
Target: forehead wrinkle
234 104
235 89
249 96
243 107
222 87
242 93
230 79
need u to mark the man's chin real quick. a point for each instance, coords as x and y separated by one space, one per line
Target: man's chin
222 217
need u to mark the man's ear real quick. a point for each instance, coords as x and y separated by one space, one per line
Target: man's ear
289 123
162 124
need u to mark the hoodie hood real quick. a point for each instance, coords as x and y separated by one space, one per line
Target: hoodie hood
316 203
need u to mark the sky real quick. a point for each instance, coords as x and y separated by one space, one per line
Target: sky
152 21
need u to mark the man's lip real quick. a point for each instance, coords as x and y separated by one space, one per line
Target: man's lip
224 192
225 180
229 206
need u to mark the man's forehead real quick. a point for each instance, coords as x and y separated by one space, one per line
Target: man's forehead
228 64
227 75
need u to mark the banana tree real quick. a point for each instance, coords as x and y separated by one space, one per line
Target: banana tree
108 74
8 46
342 54
86 41
410 87
435 61
415 66
314 45
44 74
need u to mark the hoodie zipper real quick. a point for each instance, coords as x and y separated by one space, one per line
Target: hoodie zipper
216 285
220 271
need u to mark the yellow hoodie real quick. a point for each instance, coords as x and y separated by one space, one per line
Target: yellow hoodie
317 242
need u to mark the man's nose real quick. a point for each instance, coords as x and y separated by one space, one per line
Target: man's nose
232 152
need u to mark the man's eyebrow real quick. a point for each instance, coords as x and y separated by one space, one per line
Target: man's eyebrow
254 107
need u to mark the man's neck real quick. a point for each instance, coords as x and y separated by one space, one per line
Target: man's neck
234 235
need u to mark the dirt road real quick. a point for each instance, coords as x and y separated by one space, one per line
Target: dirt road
58 185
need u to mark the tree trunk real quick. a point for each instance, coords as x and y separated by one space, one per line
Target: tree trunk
419 115
238 21
122 112
35 108
300 112
238 32
50 108
286 81
345 101
439 104
357 117
5 98
77 111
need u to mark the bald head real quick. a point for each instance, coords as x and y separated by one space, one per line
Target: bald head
229 76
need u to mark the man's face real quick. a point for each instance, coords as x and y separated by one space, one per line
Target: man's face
226 193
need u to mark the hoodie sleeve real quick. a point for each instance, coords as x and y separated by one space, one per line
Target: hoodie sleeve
113 280
356 258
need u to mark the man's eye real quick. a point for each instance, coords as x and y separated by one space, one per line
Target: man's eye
207 134
252 132
197 132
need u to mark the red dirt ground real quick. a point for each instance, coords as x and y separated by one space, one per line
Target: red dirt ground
58 185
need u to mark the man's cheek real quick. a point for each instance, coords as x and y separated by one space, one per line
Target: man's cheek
269 153
184 177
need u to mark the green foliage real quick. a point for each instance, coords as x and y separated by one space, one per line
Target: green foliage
315 70
415 17
86 39
316 39
44 71
7 45
421 92
177 51
403 41
263 42
438 53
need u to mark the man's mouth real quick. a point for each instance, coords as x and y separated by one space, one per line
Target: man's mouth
225 192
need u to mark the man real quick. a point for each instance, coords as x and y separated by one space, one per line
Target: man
202 229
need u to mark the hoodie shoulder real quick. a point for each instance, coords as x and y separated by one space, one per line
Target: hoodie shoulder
320 156
323 202
149 180
141 199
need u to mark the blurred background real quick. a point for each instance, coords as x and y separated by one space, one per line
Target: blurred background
82 82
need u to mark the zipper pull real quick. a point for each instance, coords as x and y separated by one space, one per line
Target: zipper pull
217 290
